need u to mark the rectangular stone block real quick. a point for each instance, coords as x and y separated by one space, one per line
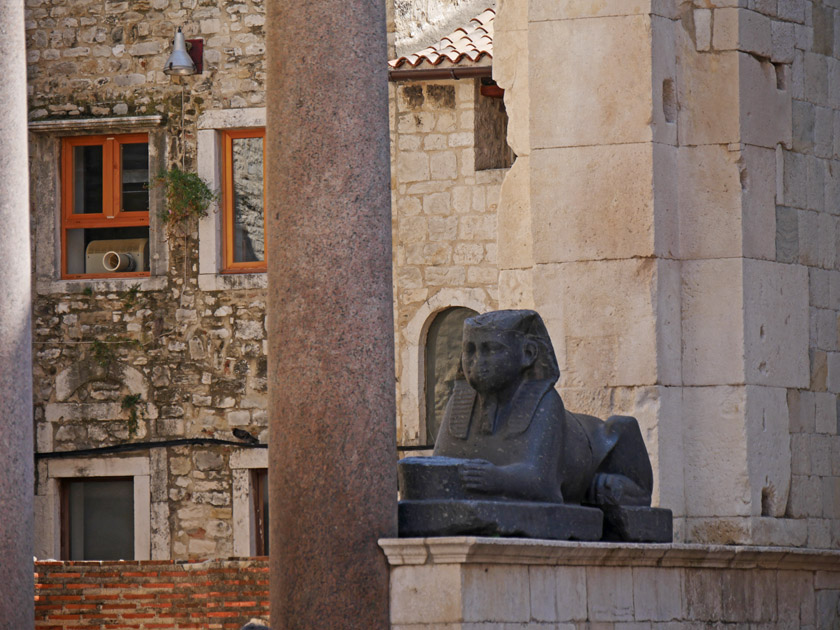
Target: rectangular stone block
664 80
428 594
603 334
740 29
710 202
496 593
540 10
601 91
758 199
709 97
666 182
557 593
658 594
717 480
825 413
514 218
609 593
768 449
787 235
703 595
592 203
712 322
765 111
775 323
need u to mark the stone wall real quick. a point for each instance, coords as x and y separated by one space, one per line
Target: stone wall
489 584
182 354
672 203
149 359
140 595
444 225
805 37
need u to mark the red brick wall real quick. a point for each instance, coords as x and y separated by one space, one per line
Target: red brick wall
223 594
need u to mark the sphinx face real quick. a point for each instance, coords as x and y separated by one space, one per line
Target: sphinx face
492 360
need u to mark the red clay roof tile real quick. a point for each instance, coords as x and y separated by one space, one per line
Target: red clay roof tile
464 46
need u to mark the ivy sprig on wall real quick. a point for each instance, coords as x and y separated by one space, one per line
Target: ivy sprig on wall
187 196
130 402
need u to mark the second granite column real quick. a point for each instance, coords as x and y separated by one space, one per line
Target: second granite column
17 608
330 320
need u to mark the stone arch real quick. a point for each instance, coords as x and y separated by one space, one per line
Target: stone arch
69 380
441 355
411 409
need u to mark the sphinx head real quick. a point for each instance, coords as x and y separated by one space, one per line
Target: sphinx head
502 348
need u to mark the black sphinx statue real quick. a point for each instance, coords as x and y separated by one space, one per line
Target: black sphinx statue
510 460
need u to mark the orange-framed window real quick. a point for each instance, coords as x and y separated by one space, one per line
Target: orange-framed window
105 206
243 193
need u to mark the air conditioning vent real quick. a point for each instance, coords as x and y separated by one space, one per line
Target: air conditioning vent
117 255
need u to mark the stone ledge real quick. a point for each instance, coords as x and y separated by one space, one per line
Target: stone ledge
478 550
85 124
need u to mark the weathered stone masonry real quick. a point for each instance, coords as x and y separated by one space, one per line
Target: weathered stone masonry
154 358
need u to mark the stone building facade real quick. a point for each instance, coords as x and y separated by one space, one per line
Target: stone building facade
672 215
178 357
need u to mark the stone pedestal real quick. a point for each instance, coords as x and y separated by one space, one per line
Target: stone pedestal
332 470
16 462
464 582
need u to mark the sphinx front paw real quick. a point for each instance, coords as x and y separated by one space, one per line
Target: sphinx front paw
479 475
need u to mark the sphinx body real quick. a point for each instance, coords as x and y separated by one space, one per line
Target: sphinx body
507 438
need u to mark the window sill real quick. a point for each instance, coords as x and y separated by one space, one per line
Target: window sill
99 285
226 281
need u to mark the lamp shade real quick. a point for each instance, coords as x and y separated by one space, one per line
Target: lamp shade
179 61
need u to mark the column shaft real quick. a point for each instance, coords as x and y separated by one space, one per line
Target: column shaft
330 320
16 461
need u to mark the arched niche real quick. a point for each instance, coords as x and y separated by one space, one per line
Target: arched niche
442 363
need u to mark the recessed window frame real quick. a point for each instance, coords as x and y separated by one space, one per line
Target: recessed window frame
229 265
149 543
259 501
112 215
65 510
246 466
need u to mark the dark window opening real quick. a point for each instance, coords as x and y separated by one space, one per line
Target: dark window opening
443 364
491 122
259 498
97 519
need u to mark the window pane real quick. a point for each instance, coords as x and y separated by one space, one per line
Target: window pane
248 222
264 494
87 250
87 179
101 519
443 364
135 177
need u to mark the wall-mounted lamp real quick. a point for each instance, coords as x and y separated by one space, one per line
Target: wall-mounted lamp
180 62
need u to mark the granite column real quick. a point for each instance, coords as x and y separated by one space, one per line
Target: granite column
16 461
330 320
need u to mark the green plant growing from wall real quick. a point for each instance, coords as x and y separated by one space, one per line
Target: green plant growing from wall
131 403
130 297
187 197
105 352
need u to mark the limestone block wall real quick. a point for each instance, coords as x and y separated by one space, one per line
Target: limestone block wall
672 215
494 584
807 236
444 225
758 237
